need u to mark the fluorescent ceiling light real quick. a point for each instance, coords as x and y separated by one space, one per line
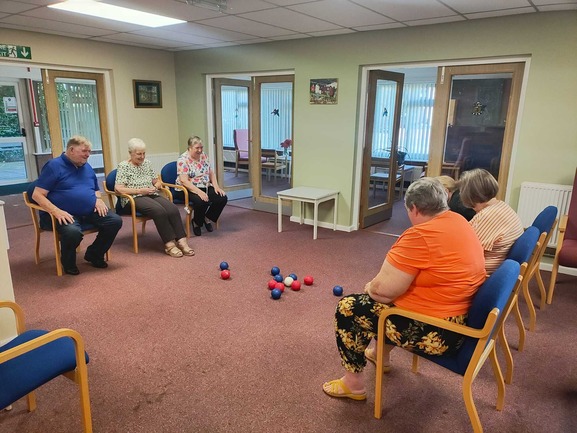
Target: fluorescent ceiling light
103 10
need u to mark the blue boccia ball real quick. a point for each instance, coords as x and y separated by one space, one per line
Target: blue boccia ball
275 294
337 291
223 266
293 276
275 270
278 278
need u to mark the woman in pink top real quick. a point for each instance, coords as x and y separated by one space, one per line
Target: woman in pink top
434 268
496 224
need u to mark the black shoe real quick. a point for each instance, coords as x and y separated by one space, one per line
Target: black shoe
72 270
97 263
196 230
208 227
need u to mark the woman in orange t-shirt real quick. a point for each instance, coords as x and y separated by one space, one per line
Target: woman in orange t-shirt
434 268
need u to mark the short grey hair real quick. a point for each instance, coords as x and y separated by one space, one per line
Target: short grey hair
428 195
136 144
78 140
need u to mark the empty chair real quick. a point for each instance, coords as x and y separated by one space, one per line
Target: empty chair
241 145
545 222
35 357
566 252
482 325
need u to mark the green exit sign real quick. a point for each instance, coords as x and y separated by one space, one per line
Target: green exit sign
15 51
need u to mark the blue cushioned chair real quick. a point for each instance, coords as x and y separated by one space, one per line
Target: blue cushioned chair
485 317
179 193
546 222
114 203
524 251
42 222
35 357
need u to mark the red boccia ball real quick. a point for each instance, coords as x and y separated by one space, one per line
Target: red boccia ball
279 286
225 275
296 285
271 284
308 280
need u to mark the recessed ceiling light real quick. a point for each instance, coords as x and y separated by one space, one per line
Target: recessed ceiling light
117 13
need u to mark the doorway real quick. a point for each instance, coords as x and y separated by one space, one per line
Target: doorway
253 126
452 118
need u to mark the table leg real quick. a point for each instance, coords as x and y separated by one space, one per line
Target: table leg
279 215
315 219
336 210
302 220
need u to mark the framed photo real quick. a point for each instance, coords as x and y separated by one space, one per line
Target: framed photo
147 94
324 91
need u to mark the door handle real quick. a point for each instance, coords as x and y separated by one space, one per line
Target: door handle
23 132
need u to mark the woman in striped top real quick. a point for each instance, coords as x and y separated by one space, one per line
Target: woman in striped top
497 225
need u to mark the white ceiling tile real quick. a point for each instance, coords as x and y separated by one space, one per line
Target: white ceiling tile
341 12
405 10
291 20
567 7
12 7
242 25
186 38
79 30
496 14
468 6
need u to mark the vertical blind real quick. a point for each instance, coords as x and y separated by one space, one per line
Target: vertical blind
276 113
416 119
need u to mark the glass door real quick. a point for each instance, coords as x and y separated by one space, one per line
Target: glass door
474 119
75 105
383 169
14 155
232 113
272 143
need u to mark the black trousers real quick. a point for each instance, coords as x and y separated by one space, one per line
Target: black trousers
210 209
164 213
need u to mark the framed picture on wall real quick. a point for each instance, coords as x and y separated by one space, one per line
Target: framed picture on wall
323 91
147 94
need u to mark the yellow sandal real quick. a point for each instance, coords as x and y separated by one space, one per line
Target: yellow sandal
173 251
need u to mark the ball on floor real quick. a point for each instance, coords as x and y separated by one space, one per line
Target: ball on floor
308 280
225 274
275 270
275 294
223 266
337 291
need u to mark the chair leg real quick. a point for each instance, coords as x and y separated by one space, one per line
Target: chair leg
31 399
508 356
470 405
379 379
520 325
57 253
554 271
529 302
541 285
134 236
37 247
498 378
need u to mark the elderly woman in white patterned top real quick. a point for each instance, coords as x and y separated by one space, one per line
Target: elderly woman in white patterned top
137 178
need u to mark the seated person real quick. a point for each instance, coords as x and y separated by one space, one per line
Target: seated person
434 268
496 224
68 189
136 177
455 203
207 198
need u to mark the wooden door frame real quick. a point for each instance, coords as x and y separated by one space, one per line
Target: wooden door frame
441 109
53 113
369 216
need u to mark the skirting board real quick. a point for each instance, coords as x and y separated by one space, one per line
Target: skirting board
323 224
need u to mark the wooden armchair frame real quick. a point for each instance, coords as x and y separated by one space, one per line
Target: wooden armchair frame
79 375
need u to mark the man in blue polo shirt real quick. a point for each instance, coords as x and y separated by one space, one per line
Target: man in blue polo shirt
68 189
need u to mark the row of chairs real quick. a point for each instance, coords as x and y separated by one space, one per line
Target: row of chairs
493 303
168 189
36 357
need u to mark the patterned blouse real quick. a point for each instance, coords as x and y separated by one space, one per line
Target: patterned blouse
197 171
135 177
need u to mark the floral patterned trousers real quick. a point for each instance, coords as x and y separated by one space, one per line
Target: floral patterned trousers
356 321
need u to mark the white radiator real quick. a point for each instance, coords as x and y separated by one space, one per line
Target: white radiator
159 160
537 196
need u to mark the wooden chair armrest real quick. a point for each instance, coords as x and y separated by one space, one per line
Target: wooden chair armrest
45 339
563 223
18 313
442 323
178 187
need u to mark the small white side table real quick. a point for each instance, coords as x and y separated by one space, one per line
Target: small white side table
306 194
